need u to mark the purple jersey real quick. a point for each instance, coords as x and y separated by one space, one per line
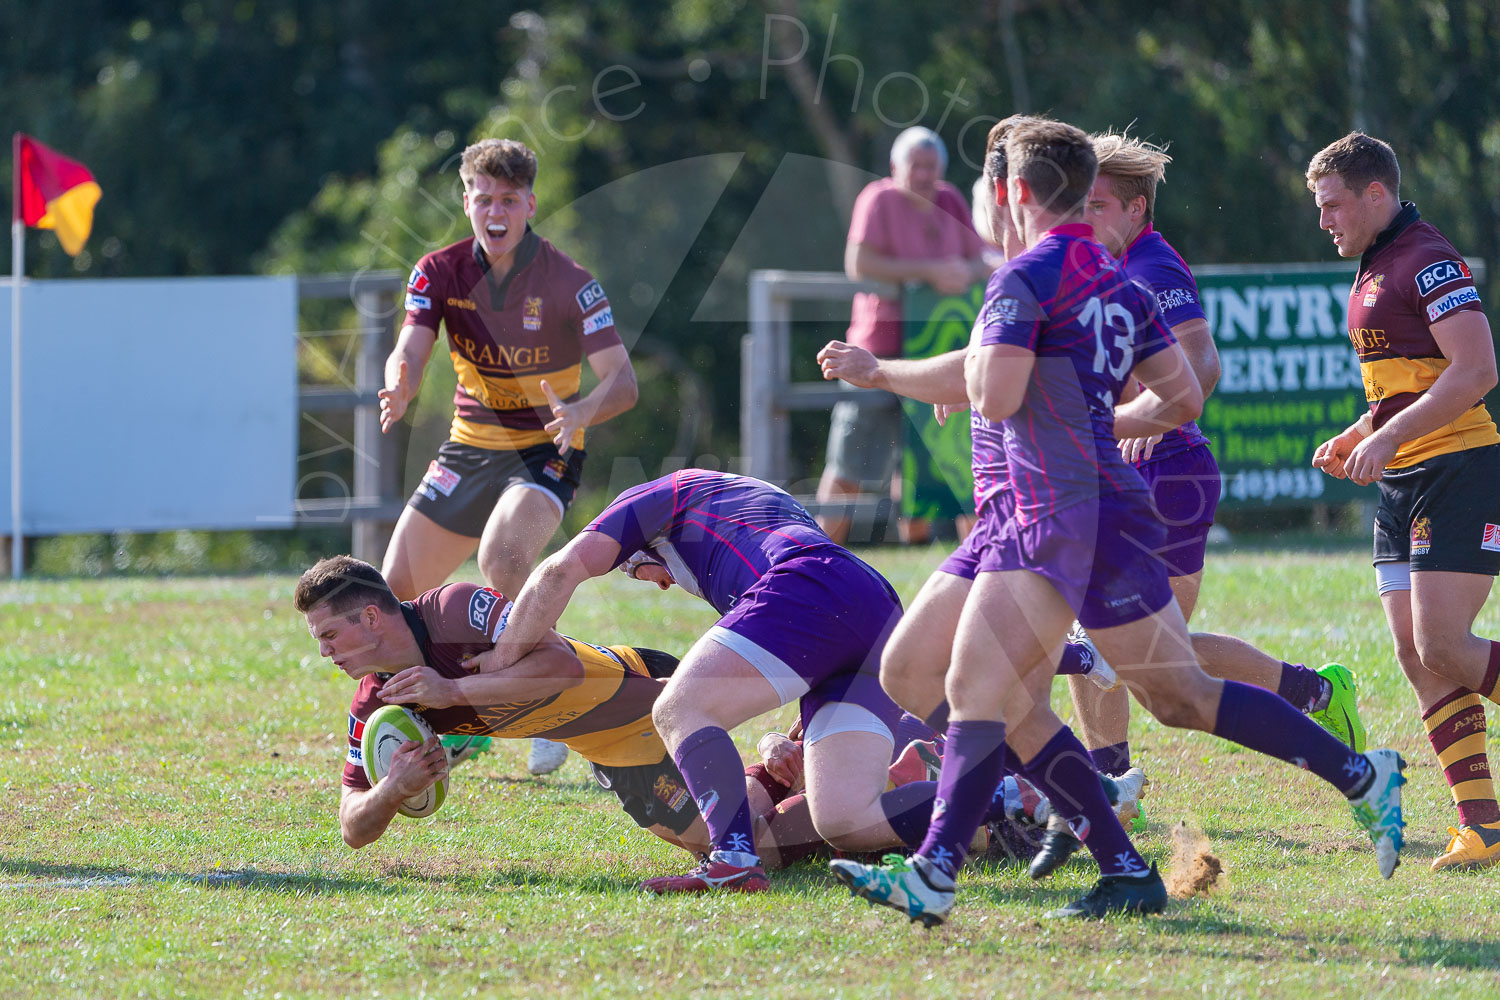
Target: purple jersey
1068 302
991 481
717 533
1152 262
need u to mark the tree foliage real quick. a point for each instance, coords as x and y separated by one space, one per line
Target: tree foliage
231 135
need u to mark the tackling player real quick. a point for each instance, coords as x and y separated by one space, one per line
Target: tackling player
802 619
1427 357
1061 333
520 316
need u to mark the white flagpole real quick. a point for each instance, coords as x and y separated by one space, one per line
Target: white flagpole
17 269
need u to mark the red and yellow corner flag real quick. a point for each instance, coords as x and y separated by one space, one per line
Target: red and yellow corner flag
54 192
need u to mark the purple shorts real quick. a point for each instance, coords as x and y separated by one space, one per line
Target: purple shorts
1186 487
964 561
815 627
1100 554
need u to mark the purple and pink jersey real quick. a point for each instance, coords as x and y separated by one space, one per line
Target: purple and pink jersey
807 612
1151 261
1067 301
717 533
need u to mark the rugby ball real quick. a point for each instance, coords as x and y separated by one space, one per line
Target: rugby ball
386 731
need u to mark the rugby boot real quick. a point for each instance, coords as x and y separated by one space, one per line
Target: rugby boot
1058 845
716 871
1099 671
1378 809
1471 848
918 762
1129 789
913 886
1119 894
463 748
1341 715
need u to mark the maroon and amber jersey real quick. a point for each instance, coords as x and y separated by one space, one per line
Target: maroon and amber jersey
1410 278
606 718
506 336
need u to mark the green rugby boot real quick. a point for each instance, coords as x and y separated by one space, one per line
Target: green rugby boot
1341 716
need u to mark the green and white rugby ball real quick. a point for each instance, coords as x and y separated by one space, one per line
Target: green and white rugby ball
386 731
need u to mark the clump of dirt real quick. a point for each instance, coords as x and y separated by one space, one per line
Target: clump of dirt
1194 870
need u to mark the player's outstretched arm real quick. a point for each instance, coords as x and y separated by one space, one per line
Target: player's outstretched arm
1464 338
365 813
403 372
927 380
1173 396
546 595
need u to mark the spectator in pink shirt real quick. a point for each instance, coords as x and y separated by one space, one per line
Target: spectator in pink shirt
910 227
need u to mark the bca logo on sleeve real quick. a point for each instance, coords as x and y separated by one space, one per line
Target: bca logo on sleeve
479 608
589 295
1437 275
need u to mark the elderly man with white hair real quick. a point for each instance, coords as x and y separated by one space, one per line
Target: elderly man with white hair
912 226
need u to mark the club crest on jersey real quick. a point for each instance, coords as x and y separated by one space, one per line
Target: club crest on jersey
1491 542
1421 536
531 312
480 604
555 469
1435 276
1372 290
589 296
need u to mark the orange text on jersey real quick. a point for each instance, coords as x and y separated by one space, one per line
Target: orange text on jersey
515 358
1365 339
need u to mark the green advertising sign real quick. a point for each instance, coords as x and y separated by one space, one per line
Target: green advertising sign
936 476
1290 380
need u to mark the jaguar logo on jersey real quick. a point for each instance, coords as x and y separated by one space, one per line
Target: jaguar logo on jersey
589 295
1421 536
479 607
1491 541
1437 275
1372 290
669 792
1452 301
555 469
531 312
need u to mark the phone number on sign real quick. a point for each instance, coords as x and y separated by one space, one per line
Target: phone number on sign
1275 484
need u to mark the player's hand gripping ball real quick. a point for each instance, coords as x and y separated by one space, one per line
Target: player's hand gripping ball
388 730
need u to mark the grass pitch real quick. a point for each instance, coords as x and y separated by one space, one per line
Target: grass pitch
172 751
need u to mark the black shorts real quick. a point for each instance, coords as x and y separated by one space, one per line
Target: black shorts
462 485
1442 514
651 794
